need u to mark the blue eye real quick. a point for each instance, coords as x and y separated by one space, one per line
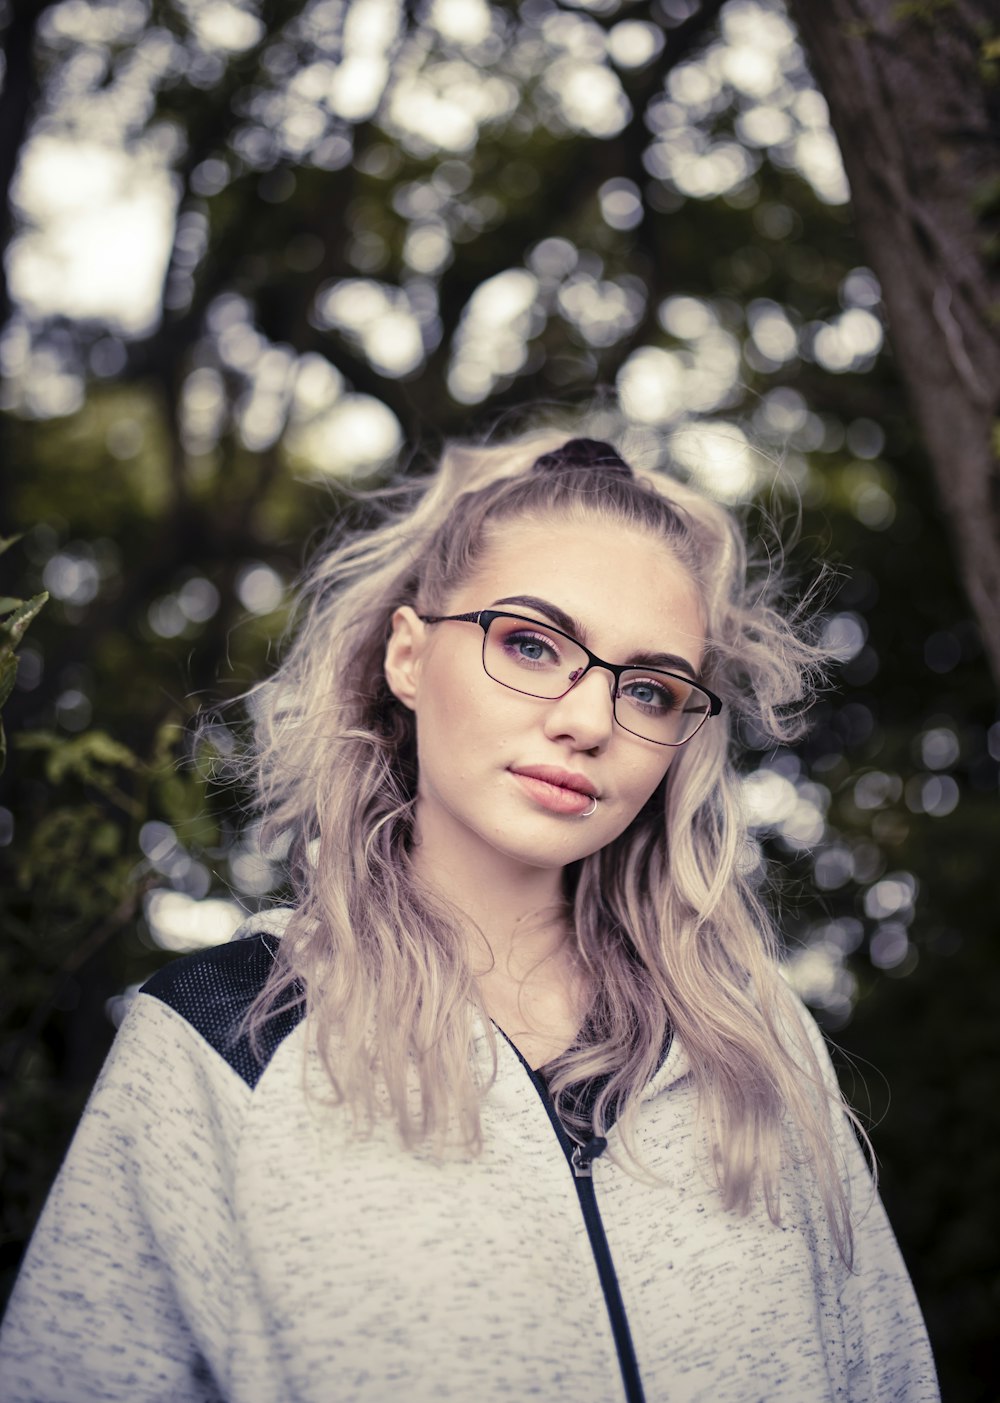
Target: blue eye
650 694
530 649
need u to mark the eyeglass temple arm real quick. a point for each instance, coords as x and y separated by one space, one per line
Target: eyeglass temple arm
473 618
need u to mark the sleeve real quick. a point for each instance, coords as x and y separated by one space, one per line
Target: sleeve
123 1294
888 1353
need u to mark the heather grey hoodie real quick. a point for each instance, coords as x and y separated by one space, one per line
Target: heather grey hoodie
218 1233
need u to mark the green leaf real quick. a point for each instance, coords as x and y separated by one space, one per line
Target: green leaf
8 675
7 541
37 740
14 627
91 757
106 840
9 603
105 749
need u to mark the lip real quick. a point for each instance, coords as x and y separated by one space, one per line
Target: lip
560 791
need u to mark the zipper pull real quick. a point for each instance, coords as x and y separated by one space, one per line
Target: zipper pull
583 1156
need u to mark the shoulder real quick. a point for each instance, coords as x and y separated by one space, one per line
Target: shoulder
802 1034
213 990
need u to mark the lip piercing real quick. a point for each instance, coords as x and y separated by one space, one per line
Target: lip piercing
593 808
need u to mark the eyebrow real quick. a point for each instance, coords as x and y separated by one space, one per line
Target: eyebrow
670 661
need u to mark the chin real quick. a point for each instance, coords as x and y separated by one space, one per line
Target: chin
559 851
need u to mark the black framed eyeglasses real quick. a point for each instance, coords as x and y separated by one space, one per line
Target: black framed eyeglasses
538 660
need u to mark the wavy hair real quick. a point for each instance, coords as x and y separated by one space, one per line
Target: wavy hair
666 920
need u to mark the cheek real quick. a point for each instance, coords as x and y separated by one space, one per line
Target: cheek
457 726
645 780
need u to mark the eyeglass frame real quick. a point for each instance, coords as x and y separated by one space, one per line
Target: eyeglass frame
484 618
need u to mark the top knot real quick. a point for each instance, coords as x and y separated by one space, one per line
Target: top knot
583 453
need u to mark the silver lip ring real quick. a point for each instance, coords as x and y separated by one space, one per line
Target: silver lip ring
593 807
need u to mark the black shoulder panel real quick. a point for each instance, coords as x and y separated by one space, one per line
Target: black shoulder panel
213 989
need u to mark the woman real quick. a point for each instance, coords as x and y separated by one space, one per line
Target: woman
518 1105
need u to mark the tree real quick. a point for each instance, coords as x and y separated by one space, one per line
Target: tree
914 94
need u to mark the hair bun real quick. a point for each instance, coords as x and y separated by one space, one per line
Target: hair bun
583 453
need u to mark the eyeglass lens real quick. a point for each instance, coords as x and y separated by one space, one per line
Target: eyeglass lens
530 658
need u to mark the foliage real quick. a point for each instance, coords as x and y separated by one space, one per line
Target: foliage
389 228
15 616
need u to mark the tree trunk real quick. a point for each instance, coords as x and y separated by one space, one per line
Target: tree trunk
914 96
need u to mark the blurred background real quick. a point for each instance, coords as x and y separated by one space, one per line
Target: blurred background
259 255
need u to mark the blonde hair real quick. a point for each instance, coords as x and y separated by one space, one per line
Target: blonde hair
665 915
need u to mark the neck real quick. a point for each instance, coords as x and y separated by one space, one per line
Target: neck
516 914
519 931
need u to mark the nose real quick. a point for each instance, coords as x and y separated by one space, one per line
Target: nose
586 713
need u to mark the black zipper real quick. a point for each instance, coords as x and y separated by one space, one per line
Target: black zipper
581 1158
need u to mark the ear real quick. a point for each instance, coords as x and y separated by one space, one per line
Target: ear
403 653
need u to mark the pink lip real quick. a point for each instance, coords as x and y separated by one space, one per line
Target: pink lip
557 790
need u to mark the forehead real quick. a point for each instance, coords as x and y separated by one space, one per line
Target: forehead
626 587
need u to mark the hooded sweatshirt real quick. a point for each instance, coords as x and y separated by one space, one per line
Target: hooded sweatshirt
220 1231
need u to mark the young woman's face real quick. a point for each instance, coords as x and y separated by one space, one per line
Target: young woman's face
478 742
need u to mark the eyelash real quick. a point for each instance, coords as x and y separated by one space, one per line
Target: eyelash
669 700
525 635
